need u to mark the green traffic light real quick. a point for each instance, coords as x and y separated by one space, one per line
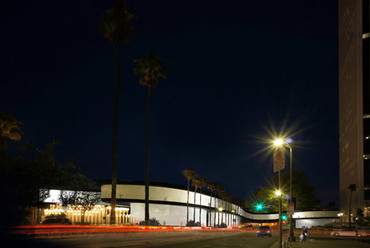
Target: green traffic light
259 206
283 217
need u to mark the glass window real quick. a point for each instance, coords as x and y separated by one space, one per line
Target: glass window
367 146
367 194
366 16
366 75
367 173
366 127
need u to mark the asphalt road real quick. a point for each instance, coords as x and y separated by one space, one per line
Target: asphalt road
200 239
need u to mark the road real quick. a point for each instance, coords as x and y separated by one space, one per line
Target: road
157 239
178 239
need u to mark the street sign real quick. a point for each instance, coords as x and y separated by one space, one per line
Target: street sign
290 208
279 159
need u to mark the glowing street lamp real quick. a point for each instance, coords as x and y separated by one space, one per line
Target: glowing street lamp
278 194
278 142
287 143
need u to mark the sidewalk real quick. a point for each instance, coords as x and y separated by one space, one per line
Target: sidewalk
326 243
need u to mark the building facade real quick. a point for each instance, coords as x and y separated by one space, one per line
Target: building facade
168 205
354 105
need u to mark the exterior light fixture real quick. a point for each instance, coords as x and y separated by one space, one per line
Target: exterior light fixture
278 142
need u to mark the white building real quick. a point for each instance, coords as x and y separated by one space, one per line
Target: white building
168 205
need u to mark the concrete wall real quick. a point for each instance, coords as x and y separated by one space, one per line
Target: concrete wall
168 205
165 194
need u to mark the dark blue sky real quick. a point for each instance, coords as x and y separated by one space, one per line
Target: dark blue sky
237 69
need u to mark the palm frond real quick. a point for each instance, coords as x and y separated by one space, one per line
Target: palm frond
151 69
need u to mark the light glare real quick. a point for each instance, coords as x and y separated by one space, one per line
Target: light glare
289 140
278 142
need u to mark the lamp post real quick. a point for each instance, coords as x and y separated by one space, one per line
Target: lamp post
278 194
287 143
220 209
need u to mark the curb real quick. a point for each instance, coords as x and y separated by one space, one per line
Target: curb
275 245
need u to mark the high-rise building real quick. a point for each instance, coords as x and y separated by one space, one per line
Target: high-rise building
354 105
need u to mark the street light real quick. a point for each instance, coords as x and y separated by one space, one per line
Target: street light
287 143
278 193
278 142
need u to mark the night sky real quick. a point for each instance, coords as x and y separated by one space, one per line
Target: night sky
238 72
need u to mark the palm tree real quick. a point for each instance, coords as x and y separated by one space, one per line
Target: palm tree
202 183
196 185
218 188
151 69
227 199
189 174
212 188
351 187
9 128
116 26
221 193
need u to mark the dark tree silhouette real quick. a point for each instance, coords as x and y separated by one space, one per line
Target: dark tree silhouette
212 187
116 26
9 128
151 69
189 174
202 182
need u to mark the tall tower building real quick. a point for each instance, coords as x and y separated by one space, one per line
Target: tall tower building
354 105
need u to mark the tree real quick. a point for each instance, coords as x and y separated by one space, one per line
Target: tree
212 187
151 69
9 128
116 26
351 187
220 192
303 192
196 185
226 198
23 176
189 174
331 206
201 184
83 200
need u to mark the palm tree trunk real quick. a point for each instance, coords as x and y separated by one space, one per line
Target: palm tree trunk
114 152
214 221
187 204
210 211
147 159
349 209
195 192
200 207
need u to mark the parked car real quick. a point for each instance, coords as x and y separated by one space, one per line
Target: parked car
57 221
152 222
264 231
349 232
222 225
192 223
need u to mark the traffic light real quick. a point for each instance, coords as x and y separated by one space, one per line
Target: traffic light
259 207
283 217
